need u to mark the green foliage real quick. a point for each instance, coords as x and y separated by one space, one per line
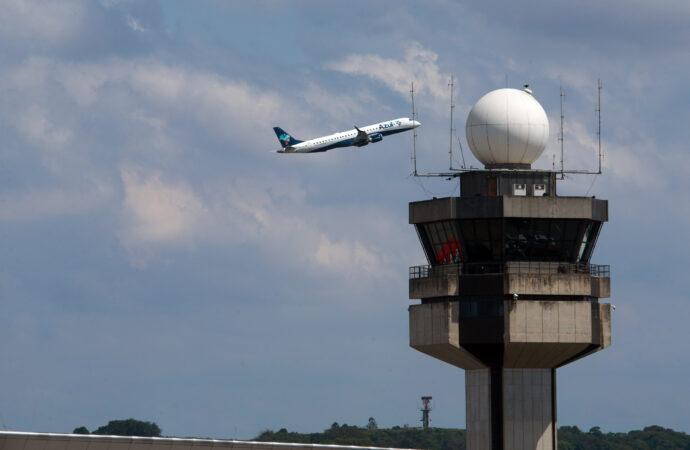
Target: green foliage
81 430
569 438
654 437
129 427
433 438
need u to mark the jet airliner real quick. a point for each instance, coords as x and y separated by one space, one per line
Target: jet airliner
357 137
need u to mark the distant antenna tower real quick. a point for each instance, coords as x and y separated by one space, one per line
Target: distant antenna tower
426 409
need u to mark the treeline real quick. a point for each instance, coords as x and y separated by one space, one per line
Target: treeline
126 427
654 437
569 438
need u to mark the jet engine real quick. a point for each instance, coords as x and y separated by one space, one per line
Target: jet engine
376 137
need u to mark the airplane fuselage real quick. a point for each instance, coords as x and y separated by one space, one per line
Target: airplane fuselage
358 137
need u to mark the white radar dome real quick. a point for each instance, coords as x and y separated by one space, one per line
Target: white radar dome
507 127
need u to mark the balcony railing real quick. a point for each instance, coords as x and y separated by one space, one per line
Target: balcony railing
511 267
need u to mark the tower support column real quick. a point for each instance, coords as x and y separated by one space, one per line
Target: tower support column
511 409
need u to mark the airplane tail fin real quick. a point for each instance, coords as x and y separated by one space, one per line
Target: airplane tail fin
285 138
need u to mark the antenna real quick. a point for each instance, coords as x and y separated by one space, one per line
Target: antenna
425 412
457 172
462 153
452 106
561 137
414 132
599 119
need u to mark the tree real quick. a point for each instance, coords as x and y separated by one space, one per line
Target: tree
129 427
372 424
80 430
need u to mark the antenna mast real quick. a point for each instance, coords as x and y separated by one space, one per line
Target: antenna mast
561 137
414 133
452 106
599 119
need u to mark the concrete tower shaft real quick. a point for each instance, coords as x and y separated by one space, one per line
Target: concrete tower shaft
509 295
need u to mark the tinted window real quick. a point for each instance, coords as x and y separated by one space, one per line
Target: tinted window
544 239
481 308
444 242
482 239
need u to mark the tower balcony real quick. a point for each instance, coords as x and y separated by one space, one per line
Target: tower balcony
521 278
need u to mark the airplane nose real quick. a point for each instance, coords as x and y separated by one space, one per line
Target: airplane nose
416 124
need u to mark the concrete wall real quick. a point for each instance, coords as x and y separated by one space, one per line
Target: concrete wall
605 323
527 409
478 409
434 330
544 321
437 286
533 334
545 334
10 440
556 207
549 284
508 206
601 287
573 284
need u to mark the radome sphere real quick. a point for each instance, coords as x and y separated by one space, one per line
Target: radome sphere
507 127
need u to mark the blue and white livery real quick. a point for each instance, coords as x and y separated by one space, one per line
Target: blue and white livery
357 137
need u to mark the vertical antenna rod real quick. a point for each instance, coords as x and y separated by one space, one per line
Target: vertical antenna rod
414 132
599 119
452 106
560 138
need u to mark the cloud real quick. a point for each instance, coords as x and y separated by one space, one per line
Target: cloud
40 130
340 106
274 219
278 220
73 115
339 255
35 205
135 25
418 65
48 21
86 119
158 211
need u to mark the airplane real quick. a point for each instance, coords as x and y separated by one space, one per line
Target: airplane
358 137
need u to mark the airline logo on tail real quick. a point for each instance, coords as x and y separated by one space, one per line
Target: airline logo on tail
285 139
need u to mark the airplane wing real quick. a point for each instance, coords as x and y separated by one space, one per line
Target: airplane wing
361 139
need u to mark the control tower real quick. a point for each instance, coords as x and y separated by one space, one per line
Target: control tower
509 293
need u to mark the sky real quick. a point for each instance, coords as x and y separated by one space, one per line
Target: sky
157 261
